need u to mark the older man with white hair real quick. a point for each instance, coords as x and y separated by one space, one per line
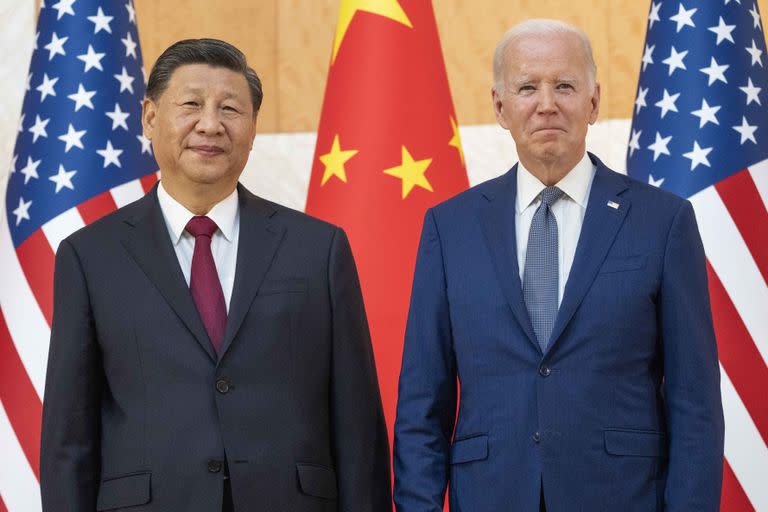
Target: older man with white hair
570 303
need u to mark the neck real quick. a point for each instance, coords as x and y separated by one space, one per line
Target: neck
549 171
198 199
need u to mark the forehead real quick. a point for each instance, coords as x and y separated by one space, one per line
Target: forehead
546 54
203 77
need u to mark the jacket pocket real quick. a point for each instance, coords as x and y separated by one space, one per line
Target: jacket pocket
316 480
622 264
271 287
641 443
468 449
124 491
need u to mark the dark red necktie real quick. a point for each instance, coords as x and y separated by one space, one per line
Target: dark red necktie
204 281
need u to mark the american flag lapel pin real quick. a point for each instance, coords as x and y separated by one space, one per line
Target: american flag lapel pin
613 205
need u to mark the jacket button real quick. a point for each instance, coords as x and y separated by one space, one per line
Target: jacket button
214 466
545 371
536 437
222 386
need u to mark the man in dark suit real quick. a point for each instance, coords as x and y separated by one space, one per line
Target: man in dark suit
570 302
209 348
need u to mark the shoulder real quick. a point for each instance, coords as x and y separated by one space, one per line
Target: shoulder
468 200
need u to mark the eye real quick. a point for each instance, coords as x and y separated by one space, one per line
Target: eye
526 88
190 103
565 86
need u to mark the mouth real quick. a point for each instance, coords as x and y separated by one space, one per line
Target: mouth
207 150
548 130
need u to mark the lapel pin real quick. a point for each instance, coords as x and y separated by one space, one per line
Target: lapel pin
613 205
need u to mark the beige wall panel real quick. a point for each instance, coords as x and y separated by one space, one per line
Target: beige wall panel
289 43
305 32
249 25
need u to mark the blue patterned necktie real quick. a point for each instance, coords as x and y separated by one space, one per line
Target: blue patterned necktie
541 273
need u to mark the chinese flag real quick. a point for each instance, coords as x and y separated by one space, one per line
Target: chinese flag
388 148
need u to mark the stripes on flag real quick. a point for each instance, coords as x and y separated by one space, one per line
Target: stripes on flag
23 317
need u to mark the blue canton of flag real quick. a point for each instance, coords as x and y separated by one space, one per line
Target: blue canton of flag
80 132
700 130
700 111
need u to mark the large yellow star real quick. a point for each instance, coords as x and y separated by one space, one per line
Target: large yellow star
387 8
411 172
334 161
456 139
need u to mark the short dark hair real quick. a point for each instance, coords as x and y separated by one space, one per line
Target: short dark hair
215 53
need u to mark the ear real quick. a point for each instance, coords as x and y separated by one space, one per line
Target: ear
253 129
595 100
148 117
498 107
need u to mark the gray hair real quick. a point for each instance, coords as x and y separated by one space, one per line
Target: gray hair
215 53
539 27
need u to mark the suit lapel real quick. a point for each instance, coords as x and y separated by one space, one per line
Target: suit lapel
605 214
257 244
497 218
149 244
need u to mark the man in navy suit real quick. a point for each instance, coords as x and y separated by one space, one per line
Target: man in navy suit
569 305
209 348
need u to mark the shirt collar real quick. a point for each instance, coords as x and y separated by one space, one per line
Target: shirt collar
575 184
224 213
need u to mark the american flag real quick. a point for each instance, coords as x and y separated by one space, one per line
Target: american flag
700 130
79 154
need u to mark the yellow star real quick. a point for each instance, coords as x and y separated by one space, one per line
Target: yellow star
387 8
456 139
411 172
335 160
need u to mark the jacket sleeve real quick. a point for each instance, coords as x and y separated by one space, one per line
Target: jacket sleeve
426 407
360 440
691 373
70 446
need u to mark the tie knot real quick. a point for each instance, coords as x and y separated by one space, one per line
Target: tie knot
201 226
551 194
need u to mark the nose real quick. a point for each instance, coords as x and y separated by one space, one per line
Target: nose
547 101
209 122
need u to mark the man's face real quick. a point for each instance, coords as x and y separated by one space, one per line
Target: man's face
201 127
548 100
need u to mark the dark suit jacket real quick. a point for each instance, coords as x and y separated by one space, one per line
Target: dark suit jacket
140 415
622 412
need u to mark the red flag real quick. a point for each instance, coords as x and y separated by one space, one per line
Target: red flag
388 148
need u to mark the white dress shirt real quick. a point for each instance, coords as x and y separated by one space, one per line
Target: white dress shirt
568 211
226 215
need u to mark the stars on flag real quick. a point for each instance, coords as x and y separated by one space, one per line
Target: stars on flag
667 103
675 60
101 21
82 98
110 154
684 17
130 45
81 112
334 161
411 172
715 72
126 81
456 139
47 87
118 118
746 131
38 129
92 59
22 211
72 139
706 114
63 179
56 46
390 9
659 146
723 31
29 171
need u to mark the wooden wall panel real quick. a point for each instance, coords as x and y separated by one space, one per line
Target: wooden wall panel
289 43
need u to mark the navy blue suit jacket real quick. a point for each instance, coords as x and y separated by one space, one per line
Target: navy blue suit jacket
621 412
